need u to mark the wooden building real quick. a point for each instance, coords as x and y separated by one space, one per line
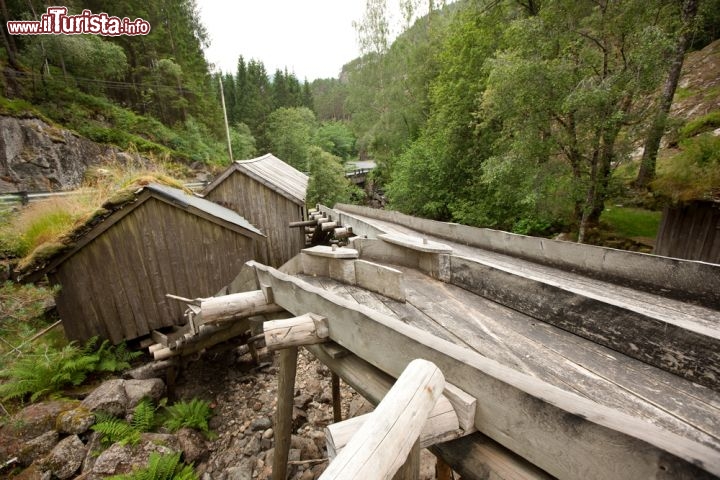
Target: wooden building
270 194
117 269
690 230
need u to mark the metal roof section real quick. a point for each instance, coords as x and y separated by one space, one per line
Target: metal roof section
185 200
277 175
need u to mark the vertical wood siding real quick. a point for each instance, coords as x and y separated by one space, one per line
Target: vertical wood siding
690 231
115 286
267 210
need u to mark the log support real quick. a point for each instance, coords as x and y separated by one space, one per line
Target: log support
381 446
306 329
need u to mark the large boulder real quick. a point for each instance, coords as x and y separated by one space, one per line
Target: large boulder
31 422
65 459
75 421
119 459
136 390
110 397
38 447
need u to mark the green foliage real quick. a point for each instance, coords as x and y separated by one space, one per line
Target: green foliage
632 222
702 124
161 467
328 184
46 370
116 430
694 173
242 141
289 133
336 138
192 414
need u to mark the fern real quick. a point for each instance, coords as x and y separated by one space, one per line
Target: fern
192 414
144 416
114 430
42 372
161 467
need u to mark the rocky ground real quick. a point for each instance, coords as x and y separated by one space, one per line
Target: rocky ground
54 439
244 396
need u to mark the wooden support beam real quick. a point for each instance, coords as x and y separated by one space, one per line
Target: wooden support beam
373 384
410 470
304 223
293 332
228 307
567 435
327 226
441 425
343 232
381 446
208 336
283 414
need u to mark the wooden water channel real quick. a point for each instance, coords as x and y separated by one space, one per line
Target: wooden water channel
550 370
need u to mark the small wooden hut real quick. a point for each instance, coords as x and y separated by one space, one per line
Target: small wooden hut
115 270
690 230
270 194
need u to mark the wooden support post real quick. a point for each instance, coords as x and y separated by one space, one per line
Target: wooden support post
381 446
283 414
306 329
327 226
442 469
304 223
336 400
410 470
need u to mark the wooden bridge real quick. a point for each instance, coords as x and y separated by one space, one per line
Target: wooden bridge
560 360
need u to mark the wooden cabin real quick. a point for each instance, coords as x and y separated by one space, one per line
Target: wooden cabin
115 273
690 230
270 194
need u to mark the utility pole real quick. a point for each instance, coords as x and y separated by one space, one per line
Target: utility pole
227 127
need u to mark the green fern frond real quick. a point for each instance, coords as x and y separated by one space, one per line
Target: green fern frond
144 416
192 414
161 467
114 430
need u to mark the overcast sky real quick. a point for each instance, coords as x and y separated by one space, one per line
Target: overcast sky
313 38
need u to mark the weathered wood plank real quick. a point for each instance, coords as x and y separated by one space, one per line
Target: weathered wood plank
566 435
691 351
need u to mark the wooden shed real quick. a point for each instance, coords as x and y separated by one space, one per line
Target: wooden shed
115 272
270 194
690 230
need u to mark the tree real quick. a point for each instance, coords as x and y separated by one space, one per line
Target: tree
243 142
289 133
646 173
328 184
573 84
336 138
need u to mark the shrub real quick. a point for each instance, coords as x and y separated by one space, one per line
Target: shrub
702 124
115 430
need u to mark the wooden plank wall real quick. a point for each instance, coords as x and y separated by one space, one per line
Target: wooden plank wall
690 231
115 286
267 210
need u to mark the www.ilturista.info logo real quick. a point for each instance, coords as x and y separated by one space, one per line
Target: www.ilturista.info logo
57 21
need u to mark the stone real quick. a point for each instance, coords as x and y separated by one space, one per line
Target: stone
136 390
244 471
253 446
75 421
262 423
119 459
33 472
66 458
302 400
110 397
37 447
268 434
31 422
307 447
35 156
94 447
193 445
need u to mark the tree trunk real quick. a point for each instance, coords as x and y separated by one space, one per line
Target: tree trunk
657 129
8 39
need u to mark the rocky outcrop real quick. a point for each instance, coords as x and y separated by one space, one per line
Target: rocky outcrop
36 156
